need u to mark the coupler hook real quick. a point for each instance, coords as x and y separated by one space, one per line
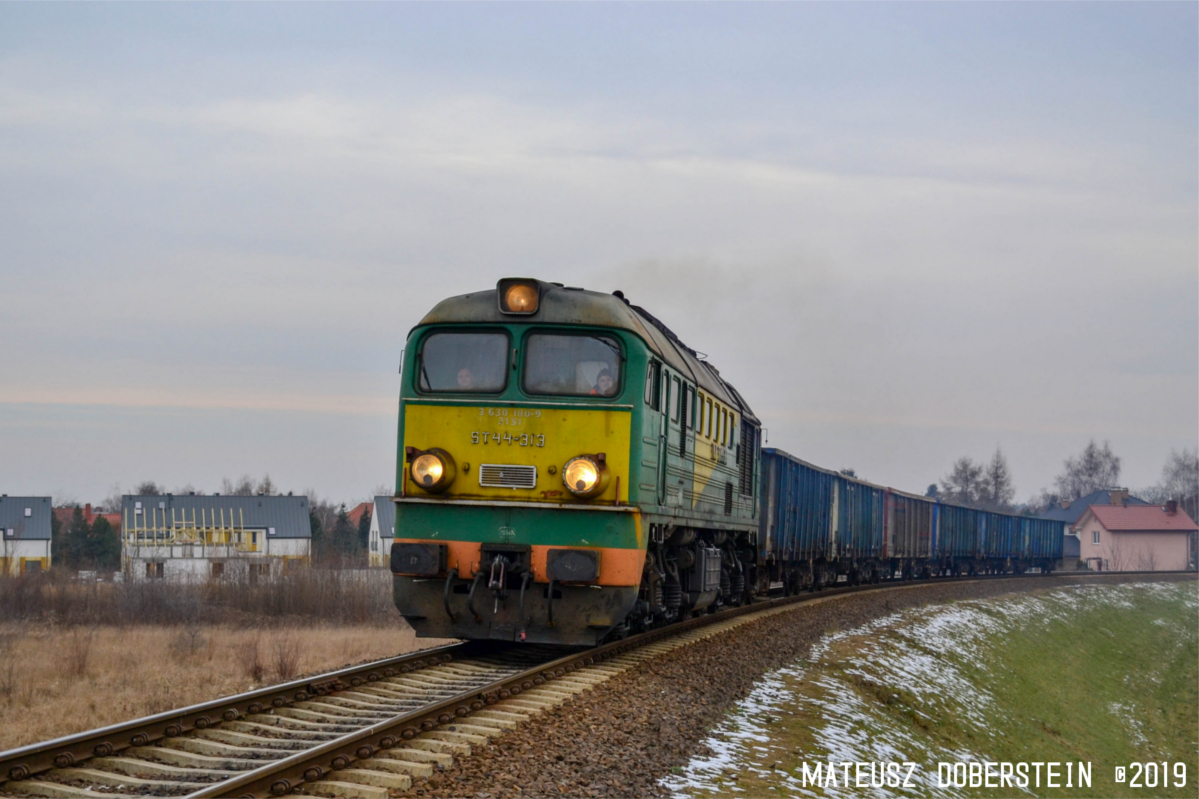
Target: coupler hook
497 581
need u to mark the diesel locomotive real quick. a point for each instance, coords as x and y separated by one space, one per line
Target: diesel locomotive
569 471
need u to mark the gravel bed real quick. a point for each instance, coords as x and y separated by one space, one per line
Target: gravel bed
619 738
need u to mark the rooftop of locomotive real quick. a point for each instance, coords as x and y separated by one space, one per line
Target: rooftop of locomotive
567 305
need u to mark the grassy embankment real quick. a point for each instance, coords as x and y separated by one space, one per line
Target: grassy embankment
1109 678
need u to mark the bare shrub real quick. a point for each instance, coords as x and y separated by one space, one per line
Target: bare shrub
188 641
249 657
287 658
339 596
79 650
8 667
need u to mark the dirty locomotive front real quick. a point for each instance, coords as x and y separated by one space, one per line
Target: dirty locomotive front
568 471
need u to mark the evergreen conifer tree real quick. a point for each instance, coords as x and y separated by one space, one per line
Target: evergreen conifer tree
343 533
76 549
103 546
364 529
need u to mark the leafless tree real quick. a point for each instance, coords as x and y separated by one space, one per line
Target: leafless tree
1154 494
246 486
1118 555
1180 480
243 486
112 503
964 483
1147 560
1094 469
147 488
324 510
996 491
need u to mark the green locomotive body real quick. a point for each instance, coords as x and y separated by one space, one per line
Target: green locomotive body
567 471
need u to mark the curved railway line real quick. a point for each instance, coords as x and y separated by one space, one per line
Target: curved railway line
360 731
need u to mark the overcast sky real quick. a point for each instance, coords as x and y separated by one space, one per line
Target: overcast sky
906 233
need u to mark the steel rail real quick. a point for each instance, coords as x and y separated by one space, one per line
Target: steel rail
70 750
284 776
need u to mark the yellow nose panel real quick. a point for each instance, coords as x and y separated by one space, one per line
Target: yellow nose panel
500 436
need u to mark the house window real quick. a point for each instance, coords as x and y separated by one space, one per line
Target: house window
218 569
1095 537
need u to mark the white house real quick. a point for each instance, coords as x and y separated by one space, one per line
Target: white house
24 534
383 530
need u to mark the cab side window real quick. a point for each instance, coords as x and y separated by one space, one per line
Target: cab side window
652 375
676 399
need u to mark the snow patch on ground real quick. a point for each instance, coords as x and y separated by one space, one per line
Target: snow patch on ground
927 660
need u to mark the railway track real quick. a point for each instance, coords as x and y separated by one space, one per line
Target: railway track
361 731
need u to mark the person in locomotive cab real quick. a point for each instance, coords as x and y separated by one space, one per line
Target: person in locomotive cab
466 378
604 384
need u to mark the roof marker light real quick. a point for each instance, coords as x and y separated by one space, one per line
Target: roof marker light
518 296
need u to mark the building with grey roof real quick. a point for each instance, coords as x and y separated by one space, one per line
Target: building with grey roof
24 534
383 530
1073 511
212 536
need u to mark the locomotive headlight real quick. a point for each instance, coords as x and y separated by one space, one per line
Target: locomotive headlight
433 470
518 296
585 476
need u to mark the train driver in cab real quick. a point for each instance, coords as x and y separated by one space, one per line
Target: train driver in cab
605 385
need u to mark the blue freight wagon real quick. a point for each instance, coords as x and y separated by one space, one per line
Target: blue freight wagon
817 526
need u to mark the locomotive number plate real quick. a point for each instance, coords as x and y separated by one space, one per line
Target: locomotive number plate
511 439
508 418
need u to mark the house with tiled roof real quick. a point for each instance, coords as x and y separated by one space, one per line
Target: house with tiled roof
1136 537
1071 512
355 514
66 515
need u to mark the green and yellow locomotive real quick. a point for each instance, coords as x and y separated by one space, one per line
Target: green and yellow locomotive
568 471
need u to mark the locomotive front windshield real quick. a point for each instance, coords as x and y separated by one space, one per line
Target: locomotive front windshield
572 365
464 363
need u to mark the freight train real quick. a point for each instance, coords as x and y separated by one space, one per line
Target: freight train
569 471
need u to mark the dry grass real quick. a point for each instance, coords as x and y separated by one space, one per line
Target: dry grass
342 596
57 681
